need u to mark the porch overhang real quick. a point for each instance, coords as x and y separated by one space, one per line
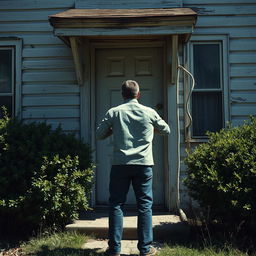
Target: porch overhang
123 22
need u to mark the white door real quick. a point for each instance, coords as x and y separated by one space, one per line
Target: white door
113 66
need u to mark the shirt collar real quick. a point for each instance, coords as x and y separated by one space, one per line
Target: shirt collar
131 101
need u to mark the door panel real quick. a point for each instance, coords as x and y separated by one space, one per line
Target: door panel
113 66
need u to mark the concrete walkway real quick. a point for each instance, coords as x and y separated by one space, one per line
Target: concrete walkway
165 225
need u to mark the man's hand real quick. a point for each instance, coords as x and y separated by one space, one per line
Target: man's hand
109 133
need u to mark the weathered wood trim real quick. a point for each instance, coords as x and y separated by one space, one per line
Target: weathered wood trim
85 94
77 59
173 121
123 32
224 39
174 59
16 43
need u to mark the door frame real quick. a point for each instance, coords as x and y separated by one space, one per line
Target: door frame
88 90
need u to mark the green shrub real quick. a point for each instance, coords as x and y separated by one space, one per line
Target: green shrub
45 176
222 174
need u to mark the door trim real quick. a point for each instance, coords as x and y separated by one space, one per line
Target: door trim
94 45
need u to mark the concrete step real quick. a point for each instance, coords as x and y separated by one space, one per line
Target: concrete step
164 225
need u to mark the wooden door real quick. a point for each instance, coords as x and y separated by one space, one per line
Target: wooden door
113 66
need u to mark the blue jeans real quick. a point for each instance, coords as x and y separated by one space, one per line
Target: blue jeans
121 177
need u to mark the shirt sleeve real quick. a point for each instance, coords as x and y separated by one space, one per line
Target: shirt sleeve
104 128
160 125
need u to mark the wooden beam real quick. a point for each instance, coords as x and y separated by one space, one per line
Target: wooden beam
77 60
174 58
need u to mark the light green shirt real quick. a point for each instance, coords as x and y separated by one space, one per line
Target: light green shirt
133 127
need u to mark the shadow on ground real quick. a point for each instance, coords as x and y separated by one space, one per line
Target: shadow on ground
45 251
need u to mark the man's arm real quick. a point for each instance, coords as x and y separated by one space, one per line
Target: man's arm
160 126
104 128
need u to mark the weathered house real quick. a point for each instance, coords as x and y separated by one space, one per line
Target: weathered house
63 62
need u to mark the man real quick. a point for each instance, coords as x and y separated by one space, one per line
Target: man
132 125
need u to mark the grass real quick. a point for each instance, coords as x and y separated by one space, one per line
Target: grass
208 251
59 244
69 244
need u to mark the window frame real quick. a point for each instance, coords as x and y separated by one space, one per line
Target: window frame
222 40
16 45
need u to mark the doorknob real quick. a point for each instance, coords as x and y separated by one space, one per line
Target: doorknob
159 106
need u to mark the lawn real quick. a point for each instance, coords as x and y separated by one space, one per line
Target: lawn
69 244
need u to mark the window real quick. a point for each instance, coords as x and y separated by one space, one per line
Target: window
10 75
7 79
208 103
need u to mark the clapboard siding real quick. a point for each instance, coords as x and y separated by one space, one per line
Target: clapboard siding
240 57
51 112
50 100
226 21
39 39
49 76
243 84
241 110
47 63
71 125
233 32
243 70
47 51
27 16
224 3
35 4
124 4
239 9
237 20
49 88
243 44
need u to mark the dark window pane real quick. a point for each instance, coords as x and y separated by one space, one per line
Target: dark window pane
206 65
7 102
207 112
5 71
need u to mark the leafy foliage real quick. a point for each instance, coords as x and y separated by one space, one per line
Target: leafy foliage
222 174
45 175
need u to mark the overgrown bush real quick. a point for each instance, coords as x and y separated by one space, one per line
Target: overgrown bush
222 174
45 176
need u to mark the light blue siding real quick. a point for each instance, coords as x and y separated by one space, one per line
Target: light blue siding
237 20
124 4
49 90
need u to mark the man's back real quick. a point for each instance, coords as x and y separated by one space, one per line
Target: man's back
133 127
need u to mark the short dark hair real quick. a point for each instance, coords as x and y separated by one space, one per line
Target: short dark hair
130 89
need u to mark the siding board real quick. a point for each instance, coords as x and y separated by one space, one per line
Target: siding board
217 2
243 71
243 97
243 44
239 110
51 100
211 10
242 57
124 4
247 84
225 21
35 4
233 32
31 15
41 39
50 88
53 112
56 51
49 76
46 64
26 27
